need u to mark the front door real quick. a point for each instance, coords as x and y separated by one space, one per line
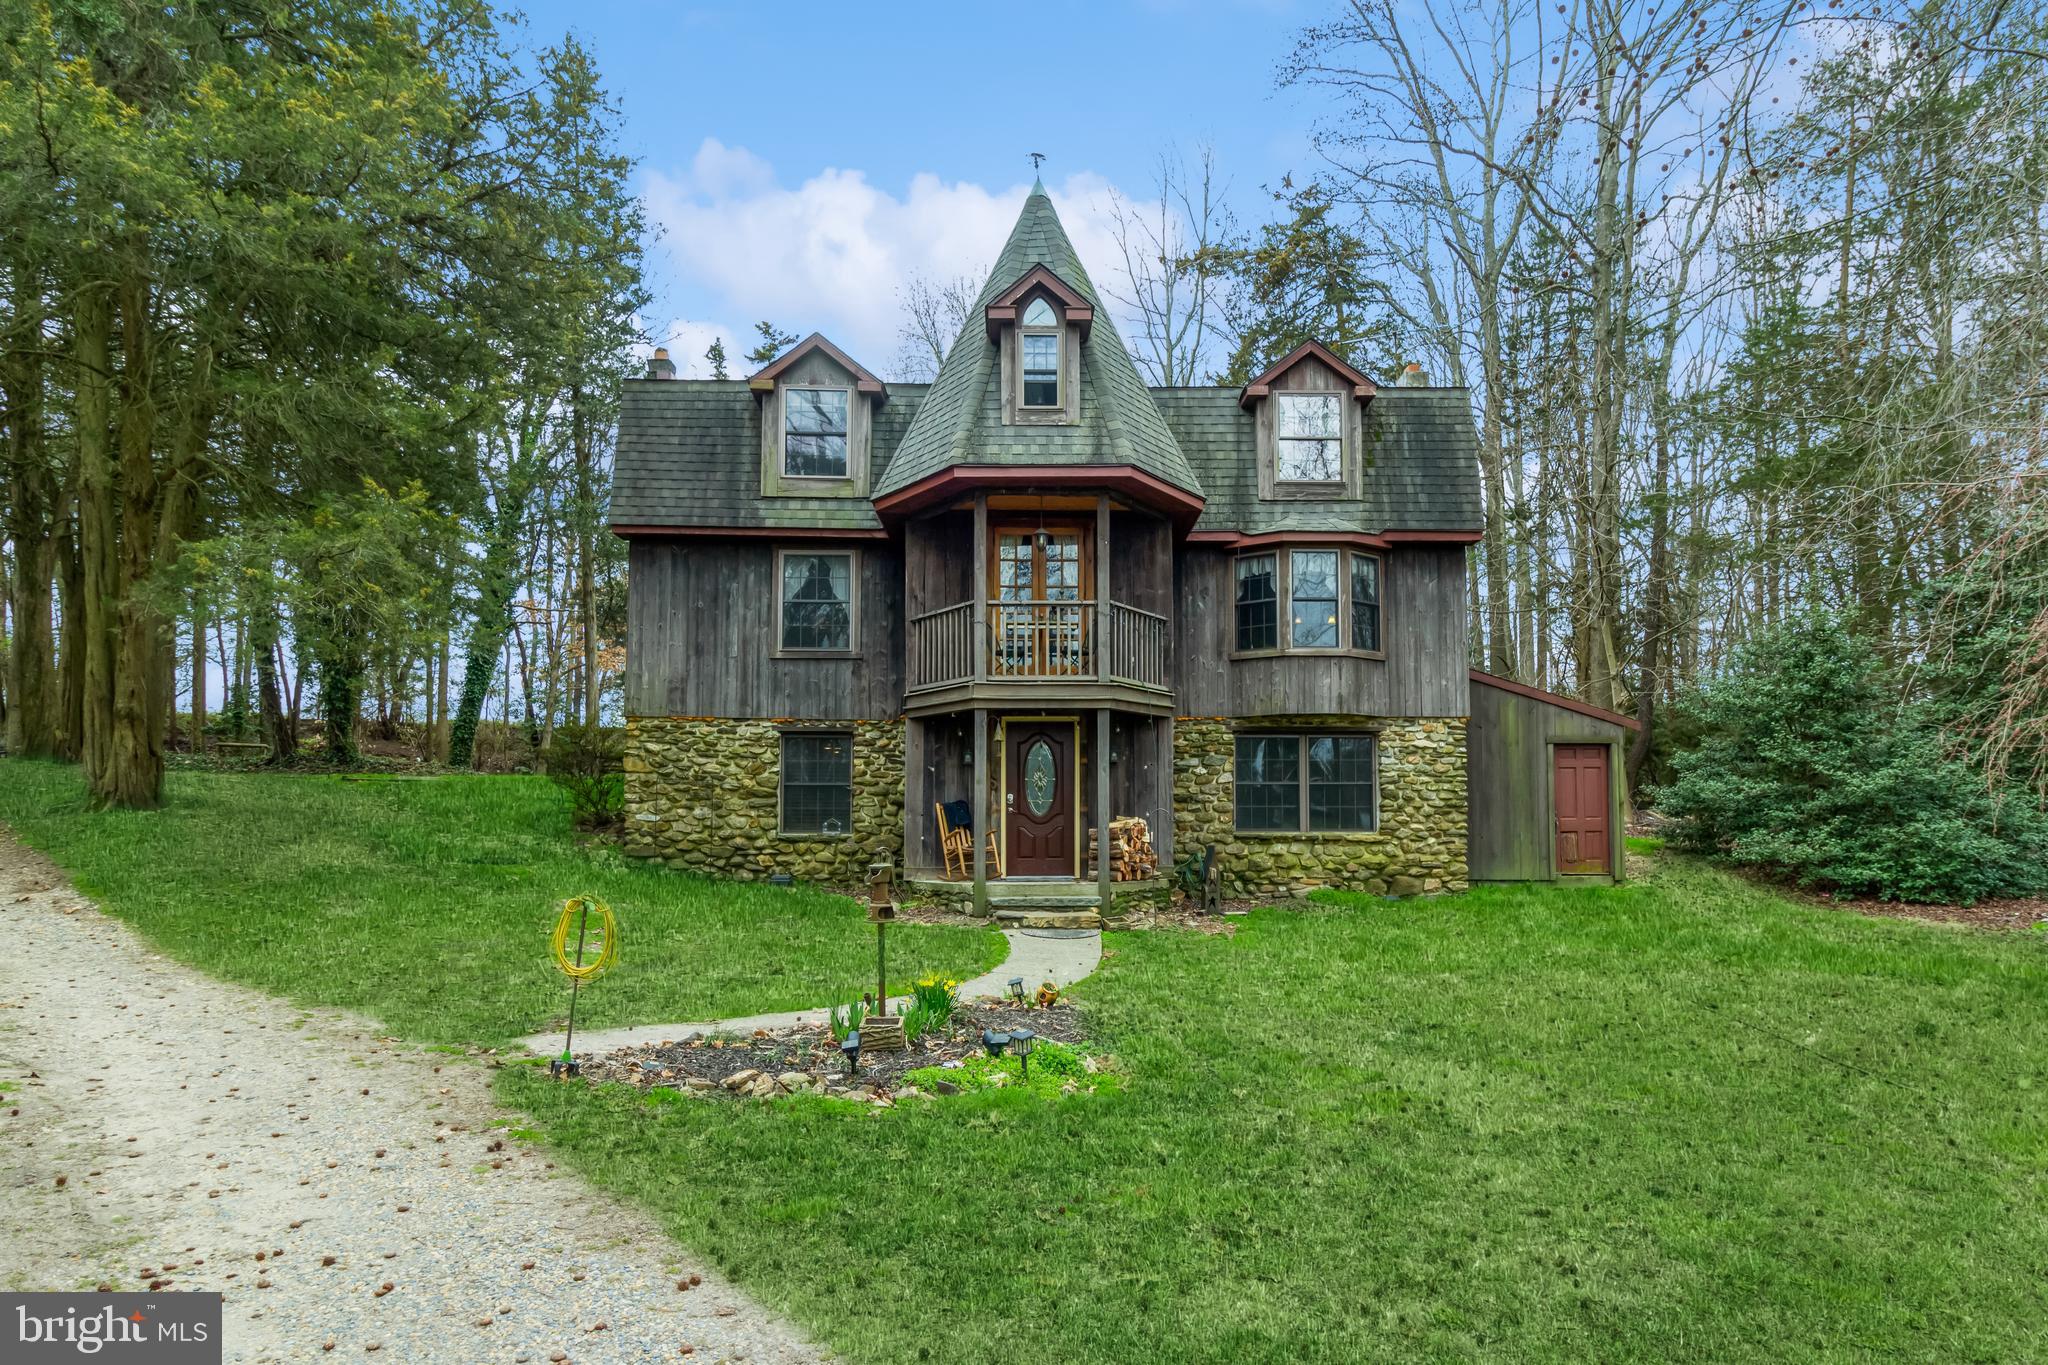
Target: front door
1579 783
1038 800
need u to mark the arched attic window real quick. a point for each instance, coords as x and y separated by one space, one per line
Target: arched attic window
1039 346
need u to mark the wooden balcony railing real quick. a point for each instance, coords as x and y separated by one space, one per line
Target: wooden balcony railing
1135 651
1048 641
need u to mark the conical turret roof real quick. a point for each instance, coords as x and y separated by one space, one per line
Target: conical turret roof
960 422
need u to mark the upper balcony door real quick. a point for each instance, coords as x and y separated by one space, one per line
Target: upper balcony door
1042 619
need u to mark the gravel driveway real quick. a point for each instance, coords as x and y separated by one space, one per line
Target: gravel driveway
346 1193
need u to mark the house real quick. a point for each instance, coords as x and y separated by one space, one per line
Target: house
1041 590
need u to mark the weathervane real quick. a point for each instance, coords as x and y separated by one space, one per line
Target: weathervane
1037 159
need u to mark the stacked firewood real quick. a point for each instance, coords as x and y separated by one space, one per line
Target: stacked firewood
1131 855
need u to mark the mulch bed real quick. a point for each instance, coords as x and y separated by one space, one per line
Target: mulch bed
2005 916
812 1051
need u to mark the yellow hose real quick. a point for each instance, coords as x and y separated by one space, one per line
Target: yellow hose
607 935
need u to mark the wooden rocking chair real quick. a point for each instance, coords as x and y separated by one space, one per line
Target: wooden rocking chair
956 843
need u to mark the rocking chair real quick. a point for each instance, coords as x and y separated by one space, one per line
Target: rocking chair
956 841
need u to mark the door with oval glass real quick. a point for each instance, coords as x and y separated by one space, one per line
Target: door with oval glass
1038 798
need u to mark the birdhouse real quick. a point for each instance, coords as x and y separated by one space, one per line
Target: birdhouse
881 892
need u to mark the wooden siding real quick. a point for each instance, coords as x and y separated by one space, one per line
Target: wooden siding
701 637
1510 820
1422 625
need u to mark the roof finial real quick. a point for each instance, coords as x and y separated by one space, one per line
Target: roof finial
1037 160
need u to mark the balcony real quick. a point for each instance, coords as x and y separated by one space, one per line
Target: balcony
1023 650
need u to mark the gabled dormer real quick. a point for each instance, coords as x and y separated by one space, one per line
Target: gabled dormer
1040 323
1309 416
817 421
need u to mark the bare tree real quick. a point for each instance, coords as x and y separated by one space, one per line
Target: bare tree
935 312
1176 257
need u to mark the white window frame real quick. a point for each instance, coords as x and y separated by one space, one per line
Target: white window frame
1281 441
847 435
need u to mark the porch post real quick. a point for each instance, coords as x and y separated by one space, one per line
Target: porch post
1101 586
1102 858
977 610
978 783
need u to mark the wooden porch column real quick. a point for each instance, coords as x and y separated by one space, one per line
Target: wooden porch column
1102 850
1101 586
978 782
977 629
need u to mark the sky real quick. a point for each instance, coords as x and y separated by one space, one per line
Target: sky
801 163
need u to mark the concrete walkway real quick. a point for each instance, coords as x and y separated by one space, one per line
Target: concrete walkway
1061 956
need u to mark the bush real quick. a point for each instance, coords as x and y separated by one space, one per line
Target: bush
585 761
1809 767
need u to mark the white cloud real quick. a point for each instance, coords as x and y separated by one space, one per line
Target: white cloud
832 253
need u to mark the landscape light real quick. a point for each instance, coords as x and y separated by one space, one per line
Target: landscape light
1017 989
850 1046
994 1042
1024 1038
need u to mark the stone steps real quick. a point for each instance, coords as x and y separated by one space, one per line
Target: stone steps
1044 917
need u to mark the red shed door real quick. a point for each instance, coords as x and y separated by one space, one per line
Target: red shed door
1039 804
1580 783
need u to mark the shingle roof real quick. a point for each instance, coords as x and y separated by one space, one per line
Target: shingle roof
1421 464
960 421
689 454
689 451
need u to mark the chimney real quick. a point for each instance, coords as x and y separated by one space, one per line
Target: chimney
1412 377
661 367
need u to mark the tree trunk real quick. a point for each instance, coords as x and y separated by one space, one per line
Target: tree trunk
199 666
92 344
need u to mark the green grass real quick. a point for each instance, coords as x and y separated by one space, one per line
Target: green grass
429 904
1676 1120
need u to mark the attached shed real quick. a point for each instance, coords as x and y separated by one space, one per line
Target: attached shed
1545 785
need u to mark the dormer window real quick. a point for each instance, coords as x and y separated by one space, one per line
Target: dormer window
814 433
1040 337
1310 432
1309 415
817 408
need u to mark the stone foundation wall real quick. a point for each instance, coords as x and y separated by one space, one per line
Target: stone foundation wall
1420 844
704 794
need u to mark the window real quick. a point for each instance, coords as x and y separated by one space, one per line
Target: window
1258 609
1039 345
1314 583
1310 439
1320 784
814 433
1365 602
817 784
1312 599
817 602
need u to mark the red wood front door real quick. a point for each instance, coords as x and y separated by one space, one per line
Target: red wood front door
1580 785
1038 800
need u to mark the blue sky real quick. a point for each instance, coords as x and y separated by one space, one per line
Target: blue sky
801 161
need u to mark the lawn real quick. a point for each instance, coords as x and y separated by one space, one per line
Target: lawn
428 903
1678 1120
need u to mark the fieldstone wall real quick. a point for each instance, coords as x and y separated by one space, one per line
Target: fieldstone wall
1419 847
703 794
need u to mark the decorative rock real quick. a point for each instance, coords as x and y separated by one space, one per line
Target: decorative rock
1418 848
702 794
794 1081
740 1080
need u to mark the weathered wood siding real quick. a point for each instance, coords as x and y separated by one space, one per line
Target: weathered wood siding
1141 562
700 635
1422 624
939 553
1510 817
